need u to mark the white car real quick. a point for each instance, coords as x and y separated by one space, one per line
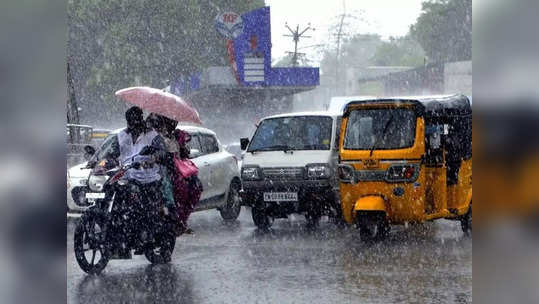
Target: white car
290 167
218 172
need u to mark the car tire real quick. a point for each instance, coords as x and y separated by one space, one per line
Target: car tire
78 194
232 209
261 219
313 219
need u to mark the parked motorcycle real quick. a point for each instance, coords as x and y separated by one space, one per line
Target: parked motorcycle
121 220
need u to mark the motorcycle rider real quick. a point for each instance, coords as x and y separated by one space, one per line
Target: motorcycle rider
140 144
178 207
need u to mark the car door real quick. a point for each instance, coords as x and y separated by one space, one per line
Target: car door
198 158
211 161
218 160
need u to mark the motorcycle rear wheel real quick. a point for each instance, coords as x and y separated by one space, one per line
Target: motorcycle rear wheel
161 253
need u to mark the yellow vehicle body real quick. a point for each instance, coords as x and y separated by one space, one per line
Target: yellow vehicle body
426 195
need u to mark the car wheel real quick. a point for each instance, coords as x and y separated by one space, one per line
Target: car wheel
231 210
261 219
79 195
313 218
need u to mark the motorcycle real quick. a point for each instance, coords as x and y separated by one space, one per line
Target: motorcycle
122 219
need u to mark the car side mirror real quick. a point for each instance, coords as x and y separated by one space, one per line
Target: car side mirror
244 142
89 151
194 153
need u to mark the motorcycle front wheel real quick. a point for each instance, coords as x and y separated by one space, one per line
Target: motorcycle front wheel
90 247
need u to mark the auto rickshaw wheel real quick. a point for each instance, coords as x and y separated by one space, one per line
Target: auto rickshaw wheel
466 222
373 226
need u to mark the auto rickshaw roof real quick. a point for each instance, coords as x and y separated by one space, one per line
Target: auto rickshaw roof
430 106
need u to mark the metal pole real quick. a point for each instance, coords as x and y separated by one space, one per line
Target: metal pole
296 34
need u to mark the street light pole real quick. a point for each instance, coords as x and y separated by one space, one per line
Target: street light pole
296 34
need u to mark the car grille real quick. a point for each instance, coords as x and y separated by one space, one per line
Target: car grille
283 173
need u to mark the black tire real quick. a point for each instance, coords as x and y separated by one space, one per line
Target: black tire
162 252
78 194
90 235
466 222
261 219
232 209
372 226
313 219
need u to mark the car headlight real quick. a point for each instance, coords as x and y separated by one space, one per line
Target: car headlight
346 173
96 182
251 173
317 171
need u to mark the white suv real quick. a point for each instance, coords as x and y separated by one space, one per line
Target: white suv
218 172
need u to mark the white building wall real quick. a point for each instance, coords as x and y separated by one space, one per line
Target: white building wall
458 77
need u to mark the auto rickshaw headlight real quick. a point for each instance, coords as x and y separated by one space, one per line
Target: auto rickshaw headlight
346 173
317 171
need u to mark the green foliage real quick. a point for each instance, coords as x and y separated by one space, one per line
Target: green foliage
355 52
114 44
399 52
444 30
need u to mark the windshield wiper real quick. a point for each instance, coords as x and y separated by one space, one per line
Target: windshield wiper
381 135
284 148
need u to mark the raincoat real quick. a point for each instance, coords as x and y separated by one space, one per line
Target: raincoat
187 186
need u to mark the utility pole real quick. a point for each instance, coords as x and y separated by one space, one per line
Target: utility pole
338 57
296 34
72 108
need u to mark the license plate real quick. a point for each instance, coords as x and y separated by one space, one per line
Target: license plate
96 195
280 196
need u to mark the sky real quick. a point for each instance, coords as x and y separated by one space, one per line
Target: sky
384 17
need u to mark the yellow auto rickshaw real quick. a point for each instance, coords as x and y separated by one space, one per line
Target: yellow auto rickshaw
406 160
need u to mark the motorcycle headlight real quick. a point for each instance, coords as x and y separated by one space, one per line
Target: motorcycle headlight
317 171
251 173
96 182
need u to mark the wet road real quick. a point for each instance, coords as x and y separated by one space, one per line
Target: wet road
236 263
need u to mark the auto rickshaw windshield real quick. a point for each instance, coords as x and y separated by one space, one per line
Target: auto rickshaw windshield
380 129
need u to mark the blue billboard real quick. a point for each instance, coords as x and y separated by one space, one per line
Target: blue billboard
252 53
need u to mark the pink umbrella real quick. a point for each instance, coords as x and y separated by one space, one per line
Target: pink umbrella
160 102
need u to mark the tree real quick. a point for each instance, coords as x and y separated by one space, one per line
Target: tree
444 30
354 52
398 52
119 43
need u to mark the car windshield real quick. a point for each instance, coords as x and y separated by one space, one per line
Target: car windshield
380 129
293 133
